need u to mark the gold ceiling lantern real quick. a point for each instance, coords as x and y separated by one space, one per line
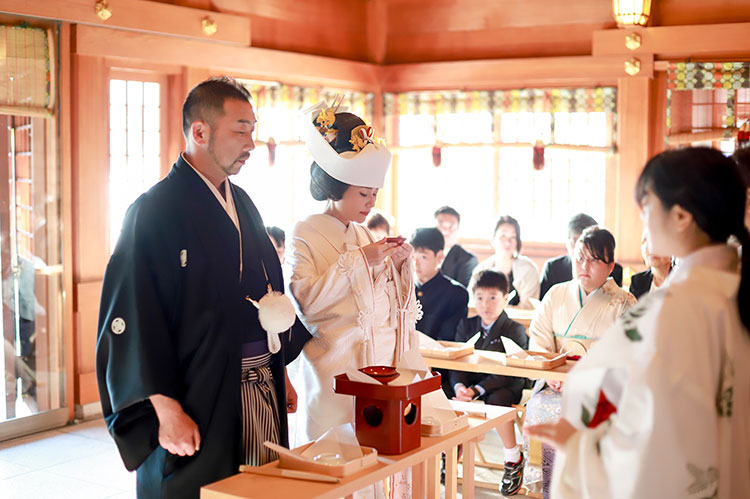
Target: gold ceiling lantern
209 26
632 12
103 10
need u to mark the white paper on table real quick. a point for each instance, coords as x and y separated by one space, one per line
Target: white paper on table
511 295
535 304
429 342
413 360
356 375
512 348
339 440
473 340
436 408
411 368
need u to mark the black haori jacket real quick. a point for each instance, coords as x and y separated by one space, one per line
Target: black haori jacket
172 318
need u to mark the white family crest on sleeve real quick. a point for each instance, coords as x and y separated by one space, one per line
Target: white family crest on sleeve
118 325
183 258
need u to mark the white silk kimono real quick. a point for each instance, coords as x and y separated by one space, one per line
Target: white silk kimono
567 320
358 315
677 368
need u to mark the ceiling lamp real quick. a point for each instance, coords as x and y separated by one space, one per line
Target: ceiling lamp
632 12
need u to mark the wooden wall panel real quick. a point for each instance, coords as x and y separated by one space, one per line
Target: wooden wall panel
90 167
682 12
333 28
87 315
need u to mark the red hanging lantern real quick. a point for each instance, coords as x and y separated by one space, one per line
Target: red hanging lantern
271 151
437 154
538 158
743 136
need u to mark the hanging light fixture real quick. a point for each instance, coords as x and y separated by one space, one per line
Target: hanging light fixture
632 12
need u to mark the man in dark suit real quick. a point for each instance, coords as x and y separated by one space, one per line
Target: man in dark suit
490 290
458 263
560 268
444 301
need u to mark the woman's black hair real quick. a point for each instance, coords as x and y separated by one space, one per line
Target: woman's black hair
323 186
277 234
507 219
600 243
710 187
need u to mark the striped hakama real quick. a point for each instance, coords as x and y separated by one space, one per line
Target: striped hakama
260 415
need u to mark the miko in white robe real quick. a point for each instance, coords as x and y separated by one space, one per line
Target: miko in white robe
567 321
677 369
358 315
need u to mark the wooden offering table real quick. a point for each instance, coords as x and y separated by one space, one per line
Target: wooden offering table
483 361
424 462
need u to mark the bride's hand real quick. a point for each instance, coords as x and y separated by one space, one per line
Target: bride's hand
378 251
401 254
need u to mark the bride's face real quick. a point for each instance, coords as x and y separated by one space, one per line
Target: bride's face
356 203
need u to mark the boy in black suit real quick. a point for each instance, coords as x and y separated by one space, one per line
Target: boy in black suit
490 290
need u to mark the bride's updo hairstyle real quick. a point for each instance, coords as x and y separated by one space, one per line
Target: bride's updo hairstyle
710 187
323 186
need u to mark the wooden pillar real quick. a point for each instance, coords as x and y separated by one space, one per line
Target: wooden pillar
633 145
90 174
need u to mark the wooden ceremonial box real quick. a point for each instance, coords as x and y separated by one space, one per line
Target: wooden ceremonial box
387 418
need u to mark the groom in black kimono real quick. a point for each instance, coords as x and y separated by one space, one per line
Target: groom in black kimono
179 339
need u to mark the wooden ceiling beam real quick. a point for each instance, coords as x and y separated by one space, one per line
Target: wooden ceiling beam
510 73
677 42
138 15
250 62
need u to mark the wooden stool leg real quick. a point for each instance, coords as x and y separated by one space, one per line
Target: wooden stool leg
480 455
451 472
433 477
418 475
467 485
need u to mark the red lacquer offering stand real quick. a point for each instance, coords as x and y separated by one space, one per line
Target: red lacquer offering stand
387 418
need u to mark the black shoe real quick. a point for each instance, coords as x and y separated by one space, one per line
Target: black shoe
512 478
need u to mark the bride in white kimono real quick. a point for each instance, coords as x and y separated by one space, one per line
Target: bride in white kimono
659 407
355 295
572 316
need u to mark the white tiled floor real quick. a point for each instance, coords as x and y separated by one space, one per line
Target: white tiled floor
81 462
77 462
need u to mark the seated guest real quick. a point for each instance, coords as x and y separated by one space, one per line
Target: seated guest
378 225
572 316
278 239
458 263
741 158
560 269
444 301
653 277
490 291
522 273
